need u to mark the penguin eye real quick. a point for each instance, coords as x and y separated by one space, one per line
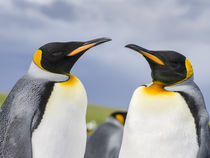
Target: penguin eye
57 53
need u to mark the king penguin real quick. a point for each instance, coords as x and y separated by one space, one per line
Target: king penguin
168 118
44 114
106 141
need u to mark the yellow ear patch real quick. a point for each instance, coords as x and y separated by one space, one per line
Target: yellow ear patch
120 118
89 131
189 68
80 49
152 57
37 59
189 72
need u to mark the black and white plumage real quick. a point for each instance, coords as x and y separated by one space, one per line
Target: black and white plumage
20 115
167 118
44 114
106 141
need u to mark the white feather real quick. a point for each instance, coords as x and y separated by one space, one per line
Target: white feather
36 72
159 126
62 131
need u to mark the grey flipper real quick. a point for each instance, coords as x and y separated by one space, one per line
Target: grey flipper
106 141
194 98
20 114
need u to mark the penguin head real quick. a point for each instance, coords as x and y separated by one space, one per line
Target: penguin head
119 116
59 57
167 67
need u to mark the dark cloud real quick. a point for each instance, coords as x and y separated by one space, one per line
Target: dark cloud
13 20
24 4
60 10
176 25
195 8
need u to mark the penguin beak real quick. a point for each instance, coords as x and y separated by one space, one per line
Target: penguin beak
88 45
146 53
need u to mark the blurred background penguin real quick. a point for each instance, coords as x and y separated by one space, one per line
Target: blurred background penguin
105 142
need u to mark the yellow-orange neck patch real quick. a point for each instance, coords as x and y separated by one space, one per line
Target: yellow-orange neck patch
157 88
71 81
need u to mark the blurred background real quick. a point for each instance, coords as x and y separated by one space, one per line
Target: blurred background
109 72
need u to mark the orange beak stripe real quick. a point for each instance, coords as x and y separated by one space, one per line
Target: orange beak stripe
80 49
152 57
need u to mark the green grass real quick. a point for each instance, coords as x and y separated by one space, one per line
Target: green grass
2 98
99 113
94 112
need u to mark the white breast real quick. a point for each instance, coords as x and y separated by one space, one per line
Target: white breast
159 127
62 131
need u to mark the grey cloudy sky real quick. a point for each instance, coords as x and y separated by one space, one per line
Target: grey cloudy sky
109 72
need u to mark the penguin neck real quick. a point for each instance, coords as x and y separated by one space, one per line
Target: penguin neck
156 88
188 86
36 72
162 124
